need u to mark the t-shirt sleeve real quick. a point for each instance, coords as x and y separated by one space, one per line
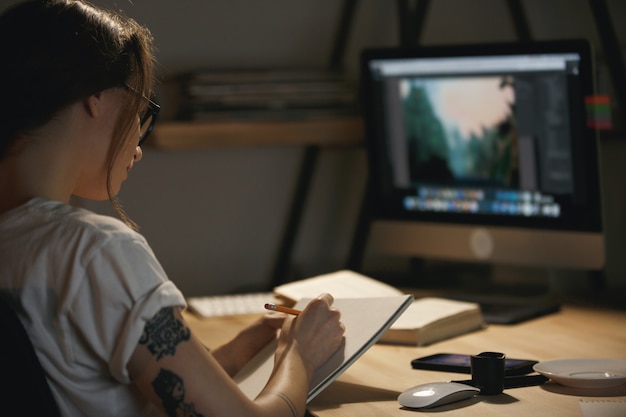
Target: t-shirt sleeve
124 287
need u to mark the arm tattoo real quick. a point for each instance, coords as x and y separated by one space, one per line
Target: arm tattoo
170 388
292 408
163 333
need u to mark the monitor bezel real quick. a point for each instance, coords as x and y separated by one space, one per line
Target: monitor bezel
588 219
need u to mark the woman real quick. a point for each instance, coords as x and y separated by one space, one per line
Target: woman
103 317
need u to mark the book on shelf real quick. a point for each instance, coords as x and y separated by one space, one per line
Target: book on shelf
427 320
262 94
198 115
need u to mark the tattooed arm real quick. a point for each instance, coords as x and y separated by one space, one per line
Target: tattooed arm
169 365
173 369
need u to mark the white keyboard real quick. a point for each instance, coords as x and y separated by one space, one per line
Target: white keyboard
231 304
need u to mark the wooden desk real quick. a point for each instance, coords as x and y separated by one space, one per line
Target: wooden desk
371 386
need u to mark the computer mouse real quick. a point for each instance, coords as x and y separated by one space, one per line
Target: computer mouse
436 394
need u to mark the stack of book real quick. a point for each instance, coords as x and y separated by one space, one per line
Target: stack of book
240 95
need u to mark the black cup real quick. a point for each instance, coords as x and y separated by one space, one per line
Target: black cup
488 372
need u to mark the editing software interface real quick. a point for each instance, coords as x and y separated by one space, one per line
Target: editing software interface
483 135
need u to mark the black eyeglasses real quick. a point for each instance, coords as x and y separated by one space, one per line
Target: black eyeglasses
147 118
147 121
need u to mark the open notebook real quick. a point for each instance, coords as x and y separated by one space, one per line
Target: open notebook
366 320
427 320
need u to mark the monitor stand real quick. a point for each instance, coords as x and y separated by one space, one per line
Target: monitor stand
503 310
507 295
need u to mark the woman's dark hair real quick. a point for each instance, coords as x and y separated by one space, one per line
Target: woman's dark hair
56 52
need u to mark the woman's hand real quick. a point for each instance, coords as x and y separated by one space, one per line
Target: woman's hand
316 333
237 352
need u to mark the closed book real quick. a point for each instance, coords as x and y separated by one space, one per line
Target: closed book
432 319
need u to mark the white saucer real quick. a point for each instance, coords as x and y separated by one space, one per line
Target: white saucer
584 373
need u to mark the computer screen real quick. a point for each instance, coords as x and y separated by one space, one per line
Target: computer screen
483 153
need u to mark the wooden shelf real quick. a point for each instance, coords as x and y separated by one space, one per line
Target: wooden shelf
336 132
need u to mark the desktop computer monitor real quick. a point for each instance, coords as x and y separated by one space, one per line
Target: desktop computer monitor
483 153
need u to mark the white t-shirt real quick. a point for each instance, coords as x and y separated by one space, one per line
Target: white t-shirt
84 286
